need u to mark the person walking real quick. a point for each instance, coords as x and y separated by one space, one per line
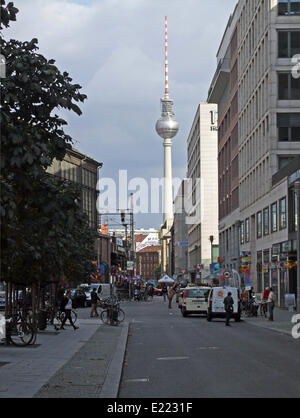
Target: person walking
228 303
164 292
151 291
271 304
66 307
171 293
94 302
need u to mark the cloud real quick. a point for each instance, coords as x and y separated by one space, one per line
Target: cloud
115 50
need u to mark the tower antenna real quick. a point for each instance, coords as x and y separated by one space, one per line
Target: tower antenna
166 60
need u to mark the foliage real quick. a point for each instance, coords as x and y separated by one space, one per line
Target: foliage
44 232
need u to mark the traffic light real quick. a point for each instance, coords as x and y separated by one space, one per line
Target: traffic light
122 217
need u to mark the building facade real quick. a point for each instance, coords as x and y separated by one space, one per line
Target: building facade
262 36
180 234
203 188
82 170
147 262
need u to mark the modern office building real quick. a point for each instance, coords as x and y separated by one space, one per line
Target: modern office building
261 40
203 189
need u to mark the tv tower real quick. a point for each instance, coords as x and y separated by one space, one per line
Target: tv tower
167 128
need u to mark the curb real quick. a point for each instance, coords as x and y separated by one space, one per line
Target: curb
110 388
278 330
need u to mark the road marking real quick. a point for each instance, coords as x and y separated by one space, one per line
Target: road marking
172 358
207 348
137 380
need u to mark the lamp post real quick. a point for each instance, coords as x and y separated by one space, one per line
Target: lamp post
297 195
211 238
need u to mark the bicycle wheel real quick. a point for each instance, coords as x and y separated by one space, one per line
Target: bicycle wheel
105 316
22 334
121 315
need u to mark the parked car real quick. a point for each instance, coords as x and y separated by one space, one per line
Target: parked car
2 300
157 291
180 297
216 308
79 298
195 301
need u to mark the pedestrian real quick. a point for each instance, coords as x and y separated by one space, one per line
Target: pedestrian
164 292
171 293
228 303
66 307
94 302
151 291
271 304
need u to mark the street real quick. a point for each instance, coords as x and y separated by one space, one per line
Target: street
169 356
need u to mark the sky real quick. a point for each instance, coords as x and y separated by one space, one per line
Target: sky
115 50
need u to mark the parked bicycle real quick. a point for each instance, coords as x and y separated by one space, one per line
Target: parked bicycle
249 308
55 316
112 314
19 332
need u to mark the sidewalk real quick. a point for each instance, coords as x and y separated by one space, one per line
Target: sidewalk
86 363
282 321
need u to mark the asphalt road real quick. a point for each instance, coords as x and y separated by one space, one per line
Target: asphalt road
169 356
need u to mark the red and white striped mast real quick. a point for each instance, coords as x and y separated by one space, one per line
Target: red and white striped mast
166 60
167 128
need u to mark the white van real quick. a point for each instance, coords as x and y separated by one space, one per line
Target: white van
103 291
194 301
216 308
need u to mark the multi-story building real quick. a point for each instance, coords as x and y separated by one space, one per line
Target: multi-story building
147 262
82 170
224 92
180 233
203 190
263 37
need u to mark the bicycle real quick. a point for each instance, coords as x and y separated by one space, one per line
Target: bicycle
264 309
19 332
113 314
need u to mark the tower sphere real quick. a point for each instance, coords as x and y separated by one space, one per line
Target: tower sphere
167 127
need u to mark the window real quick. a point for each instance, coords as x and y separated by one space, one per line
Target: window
259 224
284 161
288 44
266 221
288 87
274 226
288 127
288 7
282 214
247 230
242 233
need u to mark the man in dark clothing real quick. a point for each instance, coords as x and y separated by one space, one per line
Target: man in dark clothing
228 302
94 302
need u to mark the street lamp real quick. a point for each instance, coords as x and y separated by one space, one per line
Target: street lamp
297 195
211 238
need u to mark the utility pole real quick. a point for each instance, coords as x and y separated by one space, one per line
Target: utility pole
297 196
132 255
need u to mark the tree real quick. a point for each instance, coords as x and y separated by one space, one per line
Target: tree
43 230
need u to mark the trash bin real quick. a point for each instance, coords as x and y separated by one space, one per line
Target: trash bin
42 320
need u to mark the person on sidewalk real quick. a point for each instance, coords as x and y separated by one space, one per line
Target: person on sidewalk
171 294
228 303
94 302
66 307
271 304
164 292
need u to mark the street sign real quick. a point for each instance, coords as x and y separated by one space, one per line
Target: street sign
227 274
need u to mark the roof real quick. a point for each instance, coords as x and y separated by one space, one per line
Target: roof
150 249
140 238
